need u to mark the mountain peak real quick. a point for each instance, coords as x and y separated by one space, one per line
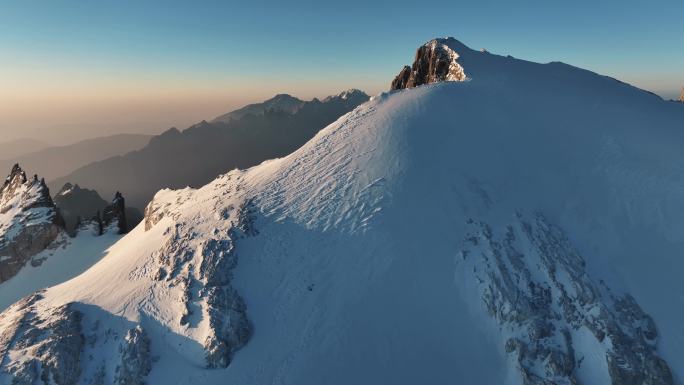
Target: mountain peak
29 222
69 188
15 173
284 97
351 91
435 61
116 212
280 102
352 94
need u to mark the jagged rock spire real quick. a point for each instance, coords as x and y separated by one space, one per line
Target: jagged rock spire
681 97
435 61
116 211
32 221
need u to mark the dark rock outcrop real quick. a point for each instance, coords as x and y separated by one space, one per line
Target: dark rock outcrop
435 62
30 222
136 360
82 207
115 213
77 204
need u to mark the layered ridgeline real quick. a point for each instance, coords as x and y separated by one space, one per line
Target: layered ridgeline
56 161
195 156
518 227
18 147
37 246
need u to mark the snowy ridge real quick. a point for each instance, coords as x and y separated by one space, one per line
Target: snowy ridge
343 262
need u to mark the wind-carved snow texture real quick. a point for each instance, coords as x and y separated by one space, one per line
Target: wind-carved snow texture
435 62
534 284
207 286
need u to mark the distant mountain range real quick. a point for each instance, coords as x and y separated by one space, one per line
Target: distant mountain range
14 148
195 156
56 161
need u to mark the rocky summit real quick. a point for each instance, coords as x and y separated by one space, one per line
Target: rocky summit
29 221
435 61
115 214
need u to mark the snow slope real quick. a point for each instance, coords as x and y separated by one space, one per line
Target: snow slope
67 259
485 231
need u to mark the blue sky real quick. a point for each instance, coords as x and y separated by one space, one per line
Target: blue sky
144 65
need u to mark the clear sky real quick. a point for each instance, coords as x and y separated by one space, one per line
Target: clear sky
84 68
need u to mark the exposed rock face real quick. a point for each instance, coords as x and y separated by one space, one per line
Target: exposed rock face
61 346
29 221
136 362
50 343
434 62
115 213
681 97
534 284
229 327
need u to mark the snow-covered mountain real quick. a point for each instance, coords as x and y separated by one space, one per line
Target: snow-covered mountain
516 225
37 248
281 102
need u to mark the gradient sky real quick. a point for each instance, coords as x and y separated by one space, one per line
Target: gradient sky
73 69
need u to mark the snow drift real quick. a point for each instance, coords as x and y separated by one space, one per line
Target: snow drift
518 227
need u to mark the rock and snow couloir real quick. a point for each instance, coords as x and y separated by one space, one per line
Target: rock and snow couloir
520 227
